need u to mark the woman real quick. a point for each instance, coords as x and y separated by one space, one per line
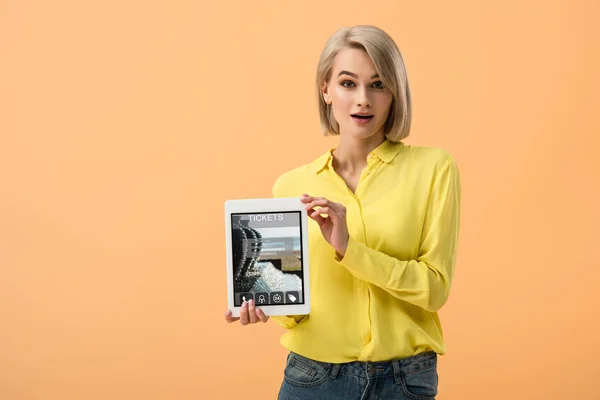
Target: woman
384 223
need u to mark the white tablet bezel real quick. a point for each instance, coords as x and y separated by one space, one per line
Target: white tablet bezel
269 205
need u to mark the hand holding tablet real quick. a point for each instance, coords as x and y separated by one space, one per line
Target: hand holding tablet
249 314
333 227
267 259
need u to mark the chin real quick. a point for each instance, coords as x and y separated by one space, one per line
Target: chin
362 134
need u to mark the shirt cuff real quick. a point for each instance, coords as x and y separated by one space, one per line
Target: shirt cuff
349 255
360 259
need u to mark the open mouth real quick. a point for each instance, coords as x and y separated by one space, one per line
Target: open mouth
362 116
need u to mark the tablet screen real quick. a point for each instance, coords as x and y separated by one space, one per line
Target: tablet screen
267 258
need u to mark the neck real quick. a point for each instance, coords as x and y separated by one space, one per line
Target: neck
351 154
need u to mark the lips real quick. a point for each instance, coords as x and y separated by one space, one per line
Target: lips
362 119
362 116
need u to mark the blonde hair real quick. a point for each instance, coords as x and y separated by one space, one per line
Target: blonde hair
389 64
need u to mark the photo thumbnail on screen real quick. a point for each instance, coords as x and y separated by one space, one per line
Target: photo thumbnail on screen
267 258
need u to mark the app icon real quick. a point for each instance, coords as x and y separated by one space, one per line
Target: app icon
246 297
262 298
277 297
292 297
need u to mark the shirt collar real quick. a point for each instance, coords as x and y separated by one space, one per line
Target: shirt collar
385 152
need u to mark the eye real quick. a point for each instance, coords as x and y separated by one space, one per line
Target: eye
379 85
347 84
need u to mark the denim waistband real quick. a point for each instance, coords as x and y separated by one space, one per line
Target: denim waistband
379 369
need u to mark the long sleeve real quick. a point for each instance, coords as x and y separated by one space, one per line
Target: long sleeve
425 281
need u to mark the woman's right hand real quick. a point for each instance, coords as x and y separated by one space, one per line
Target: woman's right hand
248 314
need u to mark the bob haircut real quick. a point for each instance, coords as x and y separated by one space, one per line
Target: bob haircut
388 62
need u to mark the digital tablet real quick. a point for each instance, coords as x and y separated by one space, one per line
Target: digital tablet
267 255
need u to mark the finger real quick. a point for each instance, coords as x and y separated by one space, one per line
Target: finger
244 314
261 315
316 203
252 312
330 212
318 218
322 202
229 318
321 211
338 209
306 198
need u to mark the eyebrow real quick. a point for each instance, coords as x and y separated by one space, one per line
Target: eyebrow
354 75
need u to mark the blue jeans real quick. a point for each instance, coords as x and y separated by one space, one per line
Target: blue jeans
412 378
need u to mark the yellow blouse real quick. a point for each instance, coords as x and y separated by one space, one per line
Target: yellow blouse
380 301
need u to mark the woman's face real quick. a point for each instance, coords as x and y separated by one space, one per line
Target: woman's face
355 89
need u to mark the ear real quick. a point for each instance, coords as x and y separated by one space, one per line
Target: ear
325 92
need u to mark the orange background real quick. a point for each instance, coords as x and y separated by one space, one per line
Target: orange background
124 126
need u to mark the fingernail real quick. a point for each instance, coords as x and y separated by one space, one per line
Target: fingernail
250 302
244 303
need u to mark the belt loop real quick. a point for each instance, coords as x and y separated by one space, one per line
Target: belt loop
397 372
335 369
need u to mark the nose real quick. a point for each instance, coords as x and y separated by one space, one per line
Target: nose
363 98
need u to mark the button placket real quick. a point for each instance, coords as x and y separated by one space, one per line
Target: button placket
362 288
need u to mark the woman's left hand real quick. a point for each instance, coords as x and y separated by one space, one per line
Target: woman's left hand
333 227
